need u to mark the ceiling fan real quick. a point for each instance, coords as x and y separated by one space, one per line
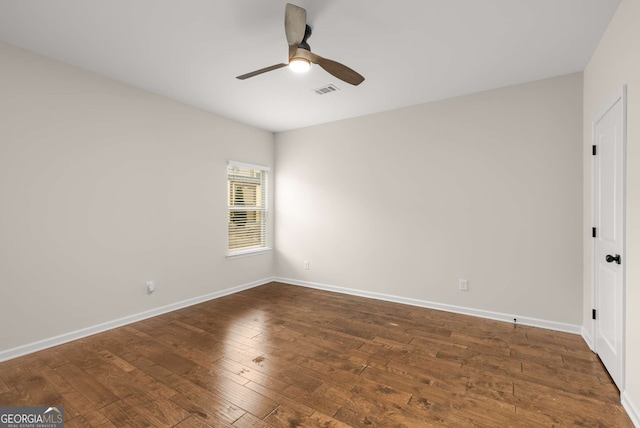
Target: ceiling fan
300 55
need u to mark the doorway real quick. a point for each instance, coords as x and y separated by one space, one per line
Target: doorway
609 197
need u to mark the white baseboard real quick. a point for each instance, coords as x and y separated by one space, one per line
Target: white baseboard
533 322
88 331
632 410
586 335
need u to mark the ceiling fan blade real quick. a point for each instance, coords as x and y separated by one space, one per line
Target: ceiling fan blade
295 23
334 68
262 70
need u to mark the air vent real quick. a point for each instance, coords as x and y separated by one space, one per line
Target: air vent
326 89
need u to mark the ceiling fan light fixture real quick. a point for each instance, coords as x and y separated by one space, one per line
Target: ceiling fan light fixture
300 56
299 65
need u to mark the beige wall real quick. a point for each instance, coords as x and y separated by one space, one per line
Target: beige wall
102 187
616 62
486 187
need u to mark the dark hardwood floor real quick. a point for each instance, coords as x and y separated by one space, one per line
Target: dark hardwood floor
286 356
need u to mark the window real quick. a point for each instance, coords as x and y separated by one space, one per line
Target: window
247 208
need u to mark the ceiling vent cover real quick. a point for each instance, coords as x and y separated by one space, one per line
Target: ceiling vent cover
326 89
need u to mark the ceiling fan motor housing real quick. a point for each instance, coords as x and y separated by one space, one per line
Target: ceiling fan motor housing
307 34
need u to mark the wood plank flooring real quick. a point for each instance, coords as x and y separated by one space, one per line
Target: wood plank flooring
286 356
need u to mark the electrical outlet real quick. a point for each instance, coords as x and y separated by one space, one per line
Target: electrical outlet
151 287
463 285
306 265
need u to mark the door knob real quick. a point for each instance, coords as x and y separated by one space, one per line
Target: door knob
611 259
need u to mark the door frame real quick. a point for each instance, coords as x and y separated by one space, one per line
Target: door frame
621 95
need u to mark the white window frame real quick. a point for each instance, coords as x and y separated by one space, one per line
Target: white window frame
266 232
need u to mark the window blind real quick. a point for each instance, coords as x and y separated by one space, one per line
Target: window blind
247 207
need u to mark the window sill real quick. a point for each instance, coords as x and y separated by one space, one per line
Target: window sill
247 253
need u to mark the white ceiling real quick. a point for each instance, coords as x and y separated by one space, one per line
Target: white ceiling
410 51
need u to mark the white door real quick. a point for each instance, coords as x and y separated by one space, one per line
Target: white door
608 211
